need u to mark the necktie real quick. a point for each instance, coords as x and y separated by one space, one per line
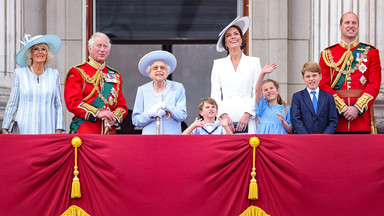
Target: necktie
314 101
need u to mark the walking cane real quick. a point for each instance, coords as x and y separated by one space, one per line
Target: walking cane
158 127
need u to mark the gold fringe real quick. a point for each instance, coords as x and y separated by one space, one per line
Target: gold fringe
254 211
373 127
75 191
74 210
253 189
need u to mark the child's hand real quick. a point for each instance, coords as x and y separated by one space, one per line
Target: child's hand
281 117
268 68
223 122
199 122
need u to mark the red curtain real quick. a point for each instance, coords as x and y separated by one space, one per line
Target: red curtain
193 175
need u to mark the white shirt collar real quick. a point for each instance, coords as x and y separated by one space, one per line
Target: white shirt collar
317 90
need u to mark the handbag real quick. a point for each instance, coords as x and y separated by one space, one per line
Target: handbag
13 128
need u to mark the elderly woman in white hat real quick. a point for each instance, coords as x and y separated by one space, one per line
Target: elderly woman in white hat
160 105
36 89
234 78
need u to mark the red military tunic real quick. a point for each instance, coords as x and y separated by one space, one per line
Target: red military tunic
90 88
352 74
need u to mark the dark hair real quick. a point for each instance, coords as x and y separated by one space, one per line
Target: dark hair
243 44
279 99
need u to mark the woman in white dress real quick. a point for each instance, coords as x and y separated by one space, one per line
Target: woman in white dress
234 77
35 90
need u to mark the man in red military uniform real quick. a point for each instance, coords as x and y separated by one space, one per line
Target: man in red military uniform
93 91
352 74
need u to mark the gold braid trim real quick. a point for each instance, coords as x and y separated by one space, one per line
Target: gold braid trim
90 110
94 80
340 104
74 210
119 112
254 211
345 60
362 103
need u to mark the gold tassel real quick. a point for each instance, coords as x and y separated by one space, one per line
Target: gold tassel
254 211
75 192
253 190
74 210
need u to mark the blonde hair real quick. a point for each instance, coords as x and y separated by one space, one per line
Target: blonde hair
279 99
28 55
312 67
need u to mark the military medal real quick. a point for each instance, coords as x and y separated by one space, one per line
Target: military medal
363 80
362 68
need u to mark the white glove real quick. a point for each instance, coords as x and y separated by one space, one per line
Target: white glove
160 113
154 111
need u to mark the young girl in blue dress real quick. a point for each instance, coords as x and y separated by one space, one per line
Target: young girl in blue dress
270 107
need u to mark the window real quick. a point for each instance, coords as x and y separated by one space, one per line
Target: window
164 21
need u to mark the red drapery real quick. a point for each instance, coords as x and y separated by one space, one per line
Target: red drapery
193 175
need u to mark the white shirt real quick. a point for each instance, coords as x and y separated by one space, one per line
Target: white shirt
317 90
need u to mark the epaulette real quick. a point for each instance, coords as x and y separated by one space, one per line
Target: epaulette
331 46
368 45
66 76
112 69
81 64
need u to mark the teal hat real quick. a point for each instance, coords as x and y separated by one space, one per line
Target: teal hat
242 22
158 55
53 42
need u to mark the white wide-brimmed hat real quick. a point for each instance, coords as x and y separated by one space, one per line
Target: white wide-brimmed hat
158 55
53 42
242 22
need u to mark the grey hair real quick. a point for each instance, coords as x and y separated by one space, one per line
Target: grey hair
28 55
91 40
149 68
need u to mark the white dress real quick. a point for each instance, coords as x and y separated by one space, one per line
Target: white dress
234 91
38 104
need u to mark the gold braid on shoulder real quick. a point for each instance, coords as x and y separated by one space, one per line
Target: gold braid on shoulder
345 60
94 80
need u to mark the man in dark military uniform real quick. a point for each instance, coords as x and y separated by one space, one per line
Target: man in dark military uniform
352 74
93 91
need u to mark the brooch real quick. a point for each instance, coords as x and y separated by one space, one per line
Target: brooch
362 68
363 80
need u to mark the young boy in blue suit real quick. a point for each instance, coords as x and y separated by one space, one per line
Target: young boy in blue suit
313 110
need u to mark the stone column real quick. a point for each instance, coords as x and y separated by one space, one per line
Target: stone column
270 38
10 34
